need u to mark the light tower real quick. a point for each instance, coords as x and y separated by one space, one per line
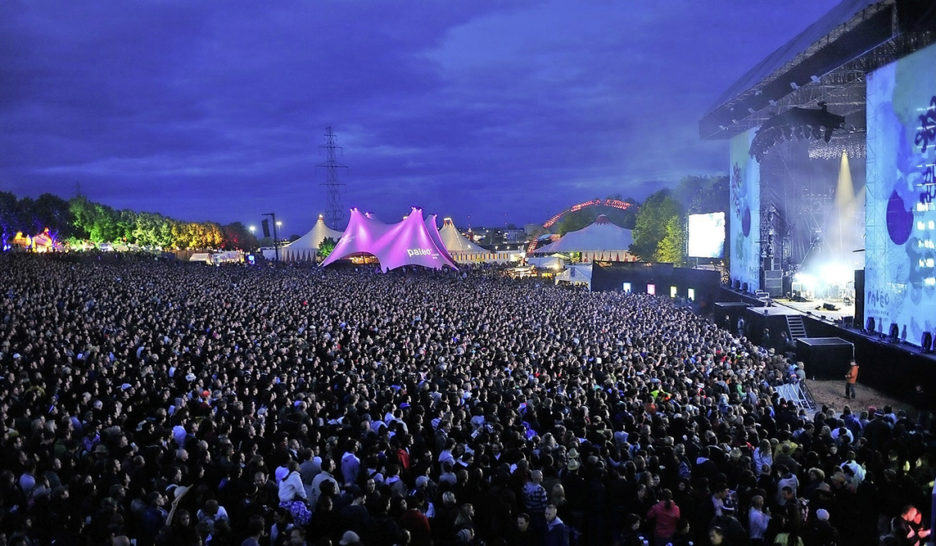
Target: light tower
334 212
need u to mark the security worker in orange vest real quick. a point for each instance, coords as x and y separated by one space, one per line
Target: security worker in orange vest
850 379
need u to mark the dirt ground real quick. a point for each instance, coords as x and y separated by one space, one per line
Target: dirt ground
832 394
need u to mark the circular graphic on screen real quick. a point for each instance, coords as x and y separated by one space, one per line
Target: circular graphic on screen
746 221
899 219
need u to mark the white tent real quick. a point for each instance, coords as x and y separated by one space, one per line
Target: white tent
601 240
576 274
555 262
305 248
455 241
463 250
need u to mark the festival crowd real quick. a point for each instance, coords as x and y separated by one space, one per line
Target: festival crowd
150 402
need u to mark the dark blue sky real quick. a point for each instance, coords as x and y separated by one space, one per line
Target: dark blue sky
490 110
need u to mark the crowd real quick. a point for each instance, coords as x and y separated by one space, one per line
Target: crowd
151 402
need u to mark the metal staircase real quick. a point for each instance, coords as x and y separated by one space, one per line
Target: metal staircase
798 394
795 327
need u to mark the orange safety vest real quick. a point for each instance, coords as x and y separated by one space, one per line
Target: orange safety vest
852 375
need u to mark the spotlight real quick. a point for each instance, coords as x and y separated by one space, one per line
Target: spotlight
794 85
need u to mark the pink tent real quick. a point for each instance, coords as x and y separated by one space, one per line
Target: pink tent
414 241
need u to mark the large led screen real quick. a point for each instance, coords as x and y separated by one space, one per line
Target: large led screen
707 235
745 213
900 215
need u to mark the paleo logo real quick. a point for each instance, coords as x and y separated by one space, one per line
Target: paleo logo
418 252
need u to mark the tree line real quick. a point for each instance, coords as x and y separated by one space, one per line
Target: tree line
659 223
78 220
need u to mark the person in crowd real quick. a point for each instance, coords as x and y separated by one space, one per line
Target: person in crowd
557 534
141 397
665 516
758 521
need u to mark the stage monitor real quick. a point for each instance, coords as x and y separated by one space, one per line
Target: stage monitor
707 235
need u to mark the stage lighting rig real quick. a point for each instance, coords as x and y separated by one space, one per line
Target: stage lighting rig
795 123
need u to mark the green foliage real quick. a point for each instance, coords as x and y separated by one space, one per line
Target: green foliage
326 247
51 211
651 223
80 220
672 249
147 230
701 194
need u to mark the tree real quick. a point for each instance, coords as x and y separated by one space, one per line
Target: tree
147 228
650 228
214 235
104 226
125 222
81 219
237 236
164 232
51 211
10 217
672 249
82 215
93 220
700 194
326 247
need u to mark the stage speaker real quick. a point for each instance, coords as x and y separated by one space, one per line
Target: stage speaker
893 332
926 344
859 297
871 325
848 322
265 224
744 287
737 284
772 282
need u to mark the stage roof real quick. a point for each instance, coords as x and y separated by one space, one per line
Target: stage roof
827 62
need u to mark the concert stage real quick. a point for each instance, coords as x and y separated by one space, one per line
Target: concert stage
896 368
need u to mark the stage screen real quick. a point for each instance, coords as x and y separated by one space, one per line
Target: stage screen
745 213
707 235
900 215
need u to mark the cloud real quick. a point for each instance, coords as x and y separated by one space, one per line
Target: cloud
209 110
